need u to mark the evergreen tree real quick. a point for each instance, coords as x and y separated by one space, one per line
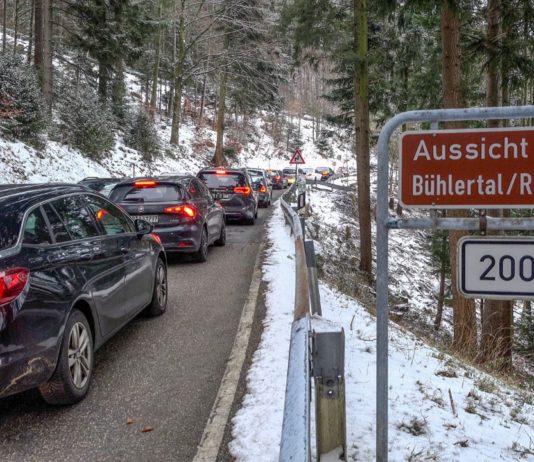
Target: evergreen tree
22 109
86 122
142 135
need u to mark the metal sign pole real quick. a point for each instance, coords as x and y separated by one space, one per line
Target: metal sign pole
384 223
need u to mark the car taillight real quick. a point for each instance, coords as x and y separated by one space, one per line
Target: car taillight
245 190
277 177
220 172
12 283
145 184
188 211
263 189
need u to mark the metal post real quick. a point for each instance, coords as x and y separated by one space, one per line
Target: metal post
311 262
329 374
382 241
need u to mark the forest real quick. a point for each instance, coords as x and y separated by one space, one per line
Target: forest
350 63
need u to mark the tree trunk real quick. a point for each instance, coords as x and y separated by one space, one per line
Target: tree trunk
496 328
441 295
155 73
16 28
103 78
4 26
218 158
178 79
361 122
464 323
30 31
47 52
38 28
202 98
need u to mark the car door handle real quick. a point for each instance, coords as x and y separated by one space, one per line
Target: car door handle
124 250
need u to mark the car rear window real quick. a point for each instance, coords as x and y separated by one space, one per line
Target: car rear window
10 223
158 193
226 180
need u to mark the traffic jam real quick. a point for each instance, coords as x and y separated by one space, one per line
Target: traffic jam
80 261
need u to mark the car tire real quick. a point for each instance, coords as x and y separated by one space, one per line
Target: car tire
256 213
158 305
70 382
201 255
221 242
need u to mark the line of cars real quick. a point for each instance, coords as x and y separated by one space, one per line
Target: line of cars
76 266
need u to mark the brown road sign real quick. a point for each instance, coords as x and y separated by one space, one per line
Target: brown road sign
484 168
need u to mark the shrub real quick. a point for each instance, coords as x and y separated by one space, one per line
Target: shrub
141 134
86 124
22 109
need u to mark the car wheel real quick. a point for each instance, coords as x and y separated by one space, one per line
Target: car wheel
221 242
158 305
72 377
201 255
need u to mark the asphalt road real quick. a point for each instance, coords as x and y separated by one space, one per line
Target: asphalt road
157 374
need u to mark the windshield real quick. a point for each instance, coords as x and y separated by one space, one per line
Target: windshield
226 180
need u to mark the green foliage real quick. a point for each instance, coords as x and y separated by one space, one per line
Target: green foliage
141 134
86 123
22 110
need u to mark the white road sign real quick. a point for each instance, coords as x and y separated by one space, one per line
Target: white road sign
494 267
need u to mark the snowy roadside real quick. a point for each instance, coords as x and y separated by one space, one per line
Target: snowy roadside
439 409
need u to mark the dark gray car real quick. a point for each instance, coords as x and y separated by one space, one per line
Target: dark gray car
181 208
74 269
234 190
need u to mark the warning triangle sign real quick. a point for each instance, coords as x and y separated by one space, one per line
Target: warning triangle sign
297 158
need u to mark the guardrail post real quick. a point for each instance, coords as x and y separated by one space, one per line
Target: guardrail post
311 262
329 376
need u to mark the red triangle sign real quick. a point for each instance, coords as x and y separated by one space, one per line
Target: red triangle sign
297 158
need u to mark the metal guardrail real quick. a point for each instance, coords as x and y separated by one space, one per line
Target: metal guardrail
327 184
295 443
316 350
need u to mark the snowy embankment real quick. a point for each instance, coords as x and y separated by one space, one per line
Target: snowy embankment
439 409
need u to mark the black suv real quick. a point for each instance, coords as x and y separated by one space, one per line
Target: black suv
184 215
74 269
234 189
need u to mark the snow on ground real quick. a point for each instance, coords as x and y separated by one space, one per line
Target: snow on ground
439 409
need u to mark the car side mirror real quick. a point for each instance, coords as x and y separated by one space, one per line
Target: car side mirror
143 227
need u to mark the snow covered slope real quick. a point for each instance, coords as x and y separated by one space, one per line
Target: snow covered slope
439 409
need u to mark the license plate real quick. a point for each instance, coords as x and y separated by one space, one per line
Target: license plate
222 196
149 218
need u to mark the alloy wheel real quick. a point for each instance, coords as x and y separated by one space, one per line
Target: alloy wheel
161 285
79 355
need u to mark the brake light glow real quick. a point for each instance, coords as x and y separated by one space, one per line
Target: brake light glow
263 189
145 184
12 283
277 177
156 238
188 211
101 213
245 190
220 172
